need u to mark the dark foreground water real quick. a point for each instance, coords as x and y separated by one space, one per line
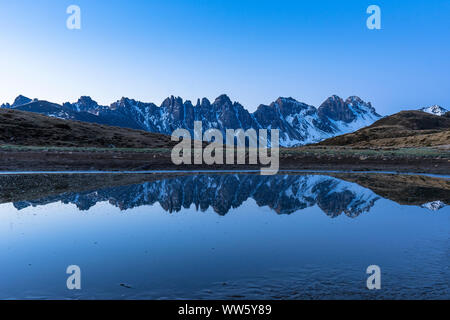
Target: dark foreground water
225 236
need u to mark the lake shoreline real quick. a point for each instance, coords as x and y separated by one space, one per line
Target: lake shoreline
290 159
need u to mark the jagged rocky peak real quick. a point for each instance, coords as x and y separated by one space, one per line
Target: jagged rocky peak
172 101
84 104
20 101
124 102
223 101
282 101
175 108
436 110
336 109
355 100
360 106
204 103
287 100
86 101
290 106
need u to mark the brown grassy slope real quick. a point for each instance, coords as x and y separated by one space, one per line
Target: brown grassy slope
403 189
33 187
403 129
31 129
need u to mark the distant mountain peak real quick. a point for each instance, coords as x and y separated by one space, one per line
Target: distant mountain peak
354 99
204 103
360 105
172 101
20 101
286 99
84 104
125 100
223 99
336 109
86 100
436 110
335 97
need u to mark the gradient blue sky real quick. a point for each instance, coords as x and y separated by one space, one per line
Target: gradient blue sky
255 51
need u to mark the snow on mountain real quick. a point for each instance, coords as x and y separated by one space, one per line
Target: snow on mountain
436 110
434 205
298 122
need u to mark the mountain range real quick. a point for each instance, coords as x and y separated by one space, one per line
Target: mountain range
299 123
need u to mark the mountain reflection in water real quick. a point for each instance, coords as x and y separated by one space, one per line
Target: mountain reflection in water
274 242
334 194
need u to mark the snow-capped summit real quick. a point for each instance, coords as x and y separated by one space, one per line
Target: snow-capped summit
434 205
436 110
301 124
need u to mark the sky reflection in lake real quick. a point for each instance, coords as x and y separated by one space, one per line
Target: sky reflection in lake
226 236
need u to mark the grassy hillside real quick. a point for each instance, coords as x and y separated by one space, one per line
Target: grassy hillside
404 129
23 128
403 189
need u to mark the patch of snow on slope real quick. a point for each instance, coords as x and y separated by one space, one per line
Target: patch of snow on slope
434 205
436 110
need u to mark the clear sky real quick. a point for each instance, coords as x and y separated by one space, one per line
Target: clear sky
252 50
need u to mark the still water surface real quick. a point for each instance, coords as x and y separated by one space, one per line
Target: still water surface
224 236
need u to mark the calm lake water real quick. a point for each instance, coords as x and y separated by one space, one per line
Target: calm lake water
224 236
